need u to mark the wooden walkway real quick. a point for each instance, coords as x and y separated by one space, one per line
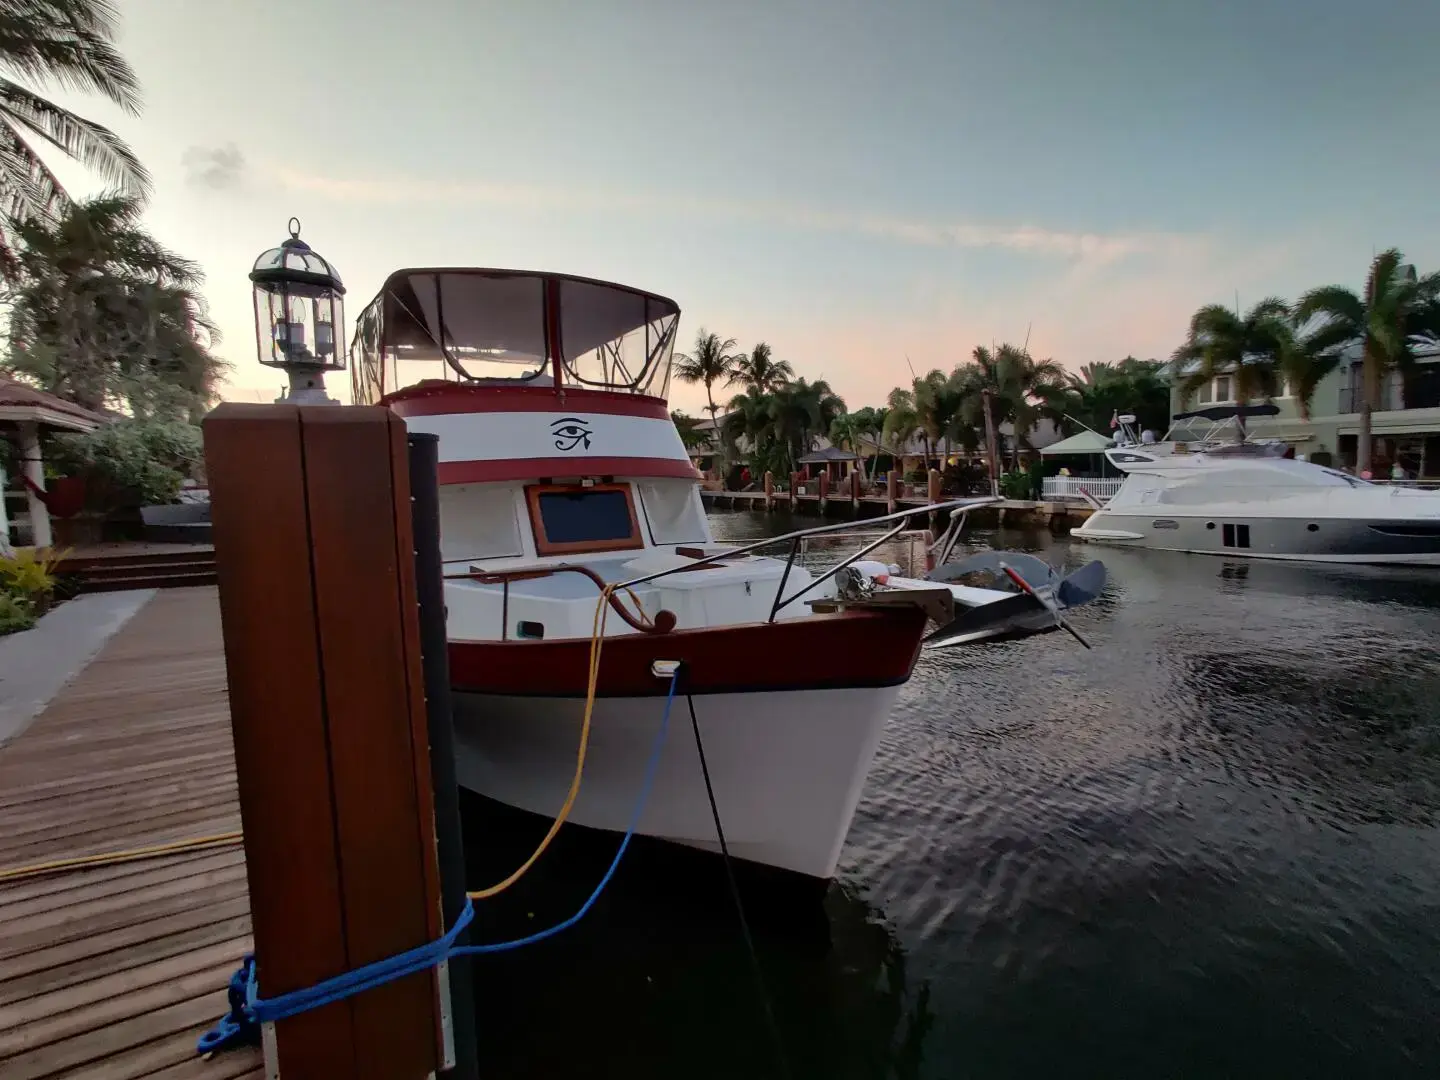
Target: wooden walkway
115 972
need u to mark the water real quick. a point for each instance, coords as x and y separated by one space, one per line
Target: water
1208 847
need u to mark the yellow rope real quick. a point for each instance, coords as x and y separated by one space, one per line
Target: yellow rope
597 640
108 858
198 843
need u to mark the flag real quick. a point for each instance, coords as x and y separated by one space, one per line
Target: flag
1114 419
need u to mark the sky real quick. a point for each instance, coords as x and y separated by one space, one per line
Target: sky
865 186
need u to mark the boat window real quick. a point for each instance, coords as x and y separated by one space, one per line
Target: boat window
571 518
480 522
616 339
673 510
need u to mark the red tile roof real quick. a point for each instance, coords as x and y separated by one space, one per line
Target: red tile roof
18 395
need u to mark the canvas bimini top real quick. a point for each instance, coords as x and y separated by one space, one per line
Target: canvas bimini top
512 327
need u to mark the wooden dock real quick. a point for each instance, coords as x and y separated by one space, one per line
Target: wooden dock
1017 512
115 972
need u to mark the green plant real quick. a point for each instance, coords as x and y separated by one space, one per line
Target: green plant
132 461
15 614
1015 485
29 575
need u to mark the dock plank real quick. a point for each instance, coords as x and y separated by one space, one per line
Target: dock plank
114 971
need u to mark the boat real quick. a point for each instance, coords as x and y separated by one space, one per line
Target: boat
1251 498
582 579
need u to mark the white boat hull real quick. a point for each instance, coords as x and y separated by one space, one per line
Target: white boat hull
788 767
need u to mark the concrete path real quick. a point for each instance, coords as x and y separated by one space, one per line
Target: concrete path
37 663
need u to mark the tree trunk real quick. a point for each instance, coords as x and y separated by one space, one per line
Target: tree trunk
1370 381
1362 442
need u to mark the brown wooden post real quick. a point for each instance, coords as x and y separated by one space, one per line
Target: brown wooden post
892 490
855 488
824 489
794 490
769 490
933 492
314 550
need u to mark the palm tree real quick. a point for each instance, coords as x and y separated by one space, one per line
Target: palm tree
799 412
1393 309
868 428
690 433
1246 347
1103 389
902 421
67 43
760 373
748 420
713 361
1021 390
104 315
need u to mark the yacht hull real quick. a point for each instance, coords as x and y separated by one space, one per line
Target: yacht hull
1331 540
788 767
790 713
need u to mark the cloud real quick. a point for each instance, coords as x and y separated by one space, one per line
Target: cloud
219 168
1088 248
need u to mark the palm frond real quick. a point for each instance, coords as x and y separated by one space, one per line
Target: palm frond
68 43
1335 303
93 145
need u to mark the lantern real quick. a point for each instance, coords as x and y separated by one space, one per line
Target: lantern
299 317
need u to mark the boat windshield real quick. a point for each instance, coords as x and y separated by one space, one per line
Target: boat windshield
514 327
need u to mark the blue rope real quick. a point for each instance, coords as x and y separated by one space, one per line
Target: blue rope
241 1025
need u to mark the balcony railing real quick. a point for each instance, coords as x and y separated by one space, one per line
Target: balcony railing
1100 488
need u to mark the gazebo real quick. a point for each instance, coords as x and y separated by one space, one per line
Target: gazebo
24 413
829 457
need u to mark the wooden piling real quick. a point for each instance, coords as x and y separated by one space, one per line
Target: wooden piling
769 490
824 490
314 550
892 490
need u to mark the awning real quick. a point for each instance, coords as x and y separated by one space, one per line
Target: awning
1087 442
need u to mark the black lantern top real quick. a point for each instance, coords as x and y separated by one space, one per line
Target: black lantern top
295 263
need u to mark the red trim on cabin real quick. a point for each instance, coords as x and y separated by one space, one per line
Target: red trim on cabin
440 398
847 649
493 470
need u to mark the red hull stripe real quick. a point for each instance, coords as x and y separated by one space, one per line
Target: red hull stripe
477 472
445 398
846 650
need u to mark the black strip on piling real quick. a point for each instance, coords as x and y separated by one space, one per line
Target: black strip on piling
430 590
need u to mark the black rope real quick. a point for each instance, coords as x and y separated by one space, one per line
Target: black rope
735 895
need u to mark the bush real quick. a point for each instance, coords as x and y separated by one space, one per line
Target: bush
27 575
15 614
1015 485
130 462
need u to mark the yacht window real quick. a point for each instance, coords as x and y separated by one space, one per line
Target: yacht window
480 522
570 518
670 508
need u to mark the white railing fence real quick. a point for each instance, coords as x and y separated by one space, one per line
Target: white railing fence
1102 488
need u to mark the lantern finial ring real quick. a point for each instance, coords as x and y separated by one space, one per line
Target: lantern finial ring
294 226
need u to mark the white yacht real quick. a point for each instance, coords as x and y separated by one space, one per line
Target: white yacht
565 485
1246 497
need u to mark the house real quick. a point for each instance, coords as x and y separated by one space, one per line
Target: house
26 413
1406 426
